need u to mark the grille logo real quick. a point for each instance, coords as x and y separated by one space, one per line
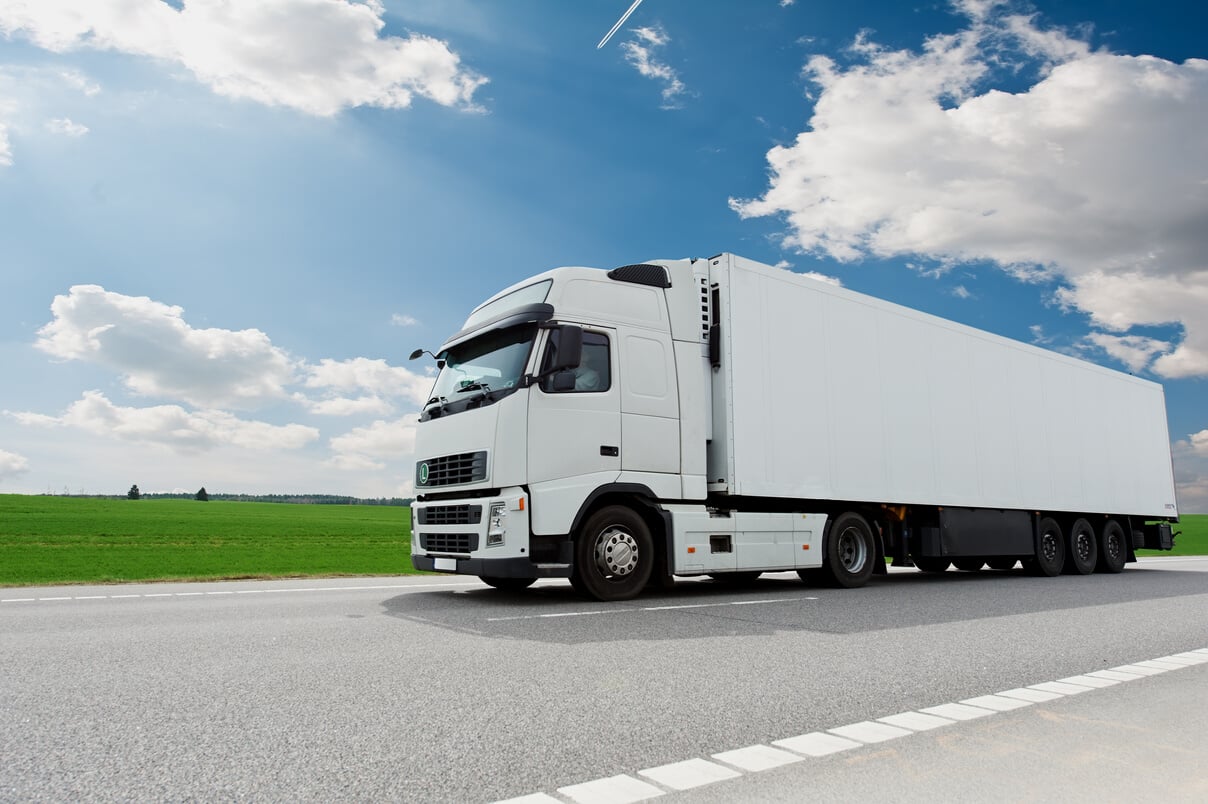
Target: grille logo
423 474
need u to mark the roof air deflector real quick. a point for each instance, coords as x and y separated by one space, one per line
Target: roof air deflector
642 274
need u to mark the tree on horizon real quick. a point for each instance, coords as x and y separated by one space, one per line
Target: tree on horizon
134 493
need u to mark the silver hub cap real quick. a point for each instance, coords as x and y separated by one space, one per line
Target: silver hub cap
616 552
853 552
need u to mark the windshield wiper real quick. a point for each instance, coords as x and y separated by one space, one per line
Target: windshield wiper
440 401
475 386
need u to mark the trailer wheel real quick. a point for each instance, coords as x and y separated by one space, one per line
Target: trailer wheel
931 564
849 551
614 554
969 564
507 584
1082 551
1050 550
1113 553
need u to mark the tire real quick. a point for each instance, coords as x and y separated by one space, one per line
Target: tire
614 554
507 584
969 564
930 564
1002 564
849 552
1081 549
1113 550
1050 550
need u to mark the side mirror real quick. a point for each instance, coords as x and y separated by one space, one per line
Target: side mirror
570 348
563 381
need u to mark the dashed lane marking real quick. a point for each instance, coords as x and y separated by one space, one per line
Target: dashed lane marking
690 773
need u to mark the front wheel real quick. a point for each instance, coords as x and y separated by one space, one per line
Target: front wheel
850 551
614 554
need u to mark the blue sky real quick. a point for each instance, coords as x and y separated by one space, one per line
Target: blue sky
223 227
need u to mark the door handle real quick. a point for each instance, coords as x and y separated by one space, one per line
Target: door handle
610 452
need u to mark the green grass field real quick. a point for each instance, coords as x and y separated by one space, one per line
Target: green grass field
46 540
1193 541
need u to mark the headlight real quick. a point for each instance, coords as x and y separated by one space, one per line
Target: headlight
497 524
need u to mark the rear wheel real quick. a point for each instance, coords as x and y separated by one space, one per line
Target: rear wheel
1050 549
614 554
848 558
1113 552
507 584
1082 550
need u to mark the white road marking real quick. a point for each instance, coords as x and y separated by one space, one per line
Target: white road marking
916 721
869 732
689 774
756 758
613 790
817 744
998 703
534 798
956 711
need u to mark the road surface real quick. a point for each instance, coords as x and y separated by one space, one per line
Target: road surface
438 688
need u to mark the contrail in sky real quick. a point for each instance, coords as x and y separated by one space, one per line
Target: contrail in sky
620 22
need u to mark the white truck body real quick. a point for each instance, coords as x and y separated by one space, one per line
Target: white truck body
747 413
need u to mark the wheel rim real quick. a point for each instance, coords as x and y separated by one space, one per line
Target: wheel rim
1084 544
853 551
616 552
1113 546
1049 546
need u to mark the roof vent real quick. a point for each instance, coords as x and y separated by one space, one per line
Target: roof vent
642 274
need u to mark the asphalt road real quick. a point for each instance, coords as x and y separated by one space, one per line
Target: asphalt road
440 689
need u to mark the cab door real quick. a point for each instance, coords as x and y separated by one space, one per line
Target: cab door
574 444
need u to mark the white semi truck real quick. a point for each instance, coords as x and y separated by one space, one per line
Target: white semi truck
725 418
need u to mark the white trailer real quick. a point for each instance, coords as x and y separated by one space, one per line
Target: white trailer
722 417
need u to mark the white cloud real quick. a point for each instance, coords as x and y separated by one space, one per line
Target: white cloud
1190 458
1134 351
1096 176
962 292
641 53
65 126
316 56
12 464
171 426
372 446
402 320
376 377
815 275
159 354
345 406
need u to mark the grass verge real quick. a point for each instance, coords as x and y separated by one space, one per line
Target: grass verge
51 540
1191 541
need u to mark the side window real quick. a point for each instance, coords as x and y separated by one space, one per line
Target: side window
594 373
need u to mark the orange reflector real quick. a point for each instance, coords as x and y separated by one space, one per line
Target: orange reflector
691 549
521 503
805 547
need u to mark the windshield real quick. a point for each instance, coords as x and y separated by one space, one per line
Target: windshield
481 370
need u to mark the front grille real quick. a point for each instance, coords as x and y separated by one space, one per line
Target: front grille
450 515
449 542
450 470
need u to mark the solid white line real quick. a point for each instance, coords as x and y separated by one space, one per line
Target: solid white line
1115 675
1178 660
1062 687
1030 694
1089 681
1138 669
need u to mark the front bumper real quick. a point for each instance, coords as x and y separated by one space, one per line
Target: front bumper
482 536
